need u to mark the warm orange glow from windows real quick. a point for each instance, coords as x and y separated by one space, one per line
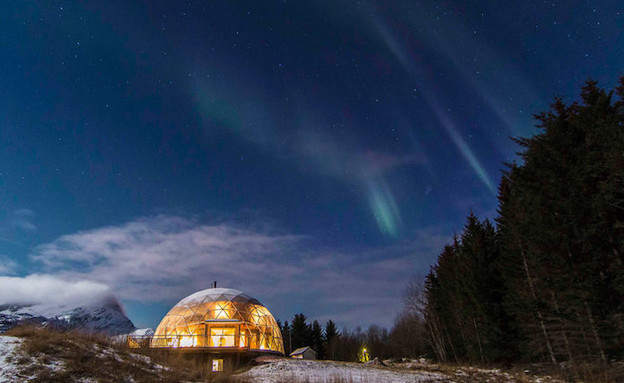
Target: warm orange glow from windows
222 337
217 365
188 341
243 339
219 318
221 311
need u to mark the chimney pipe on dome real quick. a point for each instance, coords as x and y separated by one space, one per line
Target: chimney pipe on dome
213 285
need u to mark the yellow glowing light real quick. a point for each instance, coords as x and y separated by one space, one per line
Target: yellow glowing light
255 316
217 365
187 341
222 311
133 343
363 357
222 337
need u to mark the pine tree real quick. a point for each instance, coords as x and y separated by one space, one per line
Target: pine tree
287 337
331 339
318 340
300 331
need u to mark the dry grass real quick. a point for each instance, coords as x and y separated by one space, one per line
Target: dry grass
584 373
596 373
52 356
492 374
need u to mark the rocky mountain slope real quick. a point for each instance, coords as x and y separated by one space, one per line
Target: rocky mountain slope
102 315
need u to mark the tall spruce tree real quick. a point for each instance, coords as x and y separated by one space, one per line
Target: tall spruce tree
300 331
317 340
331 339
287 337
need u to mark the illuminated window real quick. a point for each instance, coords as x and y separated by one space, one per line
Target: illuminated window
221 312
222 337
188 341
217 365
243 339
133 343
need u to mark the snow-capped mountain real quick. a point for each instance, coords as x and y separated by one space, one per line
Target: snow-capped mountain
102 315
143 332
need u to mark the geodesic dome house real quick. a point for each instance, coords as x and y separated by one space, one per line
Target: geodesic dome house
219 319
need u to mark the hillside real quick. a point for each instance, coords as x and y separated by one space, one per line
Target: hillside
35 354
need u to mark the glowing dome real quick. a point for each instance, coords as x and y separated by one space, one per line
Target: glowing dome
219 319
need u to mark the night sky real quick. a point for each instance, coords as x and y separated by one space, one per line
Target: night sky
315 156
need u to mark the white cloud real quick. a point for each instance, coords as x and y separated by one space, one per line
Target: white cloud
164 258
22 219
7 266
16 224
50 290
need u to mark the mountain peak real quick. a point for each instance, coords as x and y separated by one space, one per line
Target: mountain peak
49 301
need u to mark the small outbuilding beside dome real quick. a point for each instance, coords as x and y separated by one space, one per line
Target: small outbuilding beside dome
304 353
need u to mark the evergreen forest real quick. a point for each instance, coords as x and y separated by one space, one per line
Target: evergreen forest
544 283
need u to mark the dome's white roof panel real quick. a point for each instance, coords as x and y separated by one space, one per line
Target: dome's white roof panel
210 295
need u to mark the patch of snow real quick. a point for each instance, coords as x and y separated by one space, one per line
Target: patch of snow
142 332
313 371
8 370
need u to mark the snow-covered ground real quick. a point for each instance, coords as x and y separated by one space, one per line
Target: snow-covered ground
312 371
8 370
414 371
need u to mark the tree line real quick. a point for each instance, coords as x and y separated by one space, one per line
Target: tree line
546 283
404 339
